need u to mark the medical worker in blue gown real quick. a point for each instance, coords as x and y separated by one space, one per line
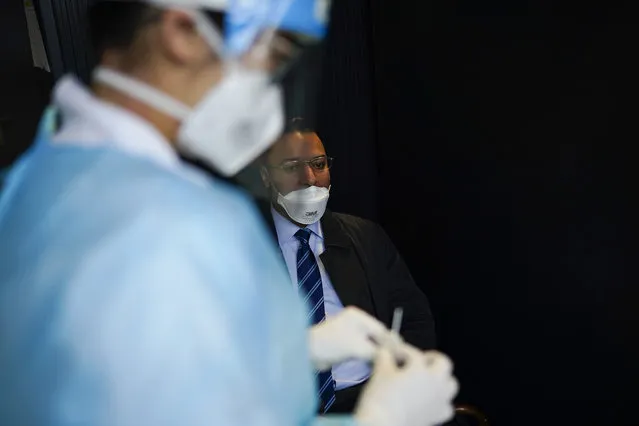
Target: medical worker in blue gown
134 290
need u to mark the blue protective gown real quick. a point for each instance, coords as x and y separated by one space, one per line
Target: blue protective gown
131 295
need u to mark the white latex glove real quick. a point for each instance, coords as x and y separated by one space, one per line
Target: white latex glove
419 393
351 334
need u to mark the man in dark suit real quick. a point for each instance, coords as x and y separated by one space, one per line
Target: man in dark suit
358 263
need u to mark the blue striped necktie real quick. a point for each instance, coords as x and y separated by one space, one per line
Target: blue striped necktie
309 281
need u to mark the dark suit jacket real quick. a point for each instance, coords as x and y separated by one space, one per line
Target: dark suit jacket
367 271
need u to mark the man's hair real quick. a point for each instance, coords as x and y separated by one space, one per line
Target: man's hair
115 24
297 124
294 125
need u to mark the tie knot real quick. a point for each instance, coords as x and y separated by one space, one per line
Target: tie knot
304 235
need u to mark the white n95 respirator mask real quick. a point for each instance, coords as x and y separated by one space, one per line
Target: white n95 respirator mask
305 206
237 120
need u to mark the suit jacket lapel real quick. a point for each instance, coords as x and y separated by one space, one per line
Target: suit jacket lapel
343 266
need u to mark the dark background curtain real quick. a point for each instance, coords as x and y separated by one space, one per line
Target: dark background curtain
65 32
24 89
499 156
494 141
346 116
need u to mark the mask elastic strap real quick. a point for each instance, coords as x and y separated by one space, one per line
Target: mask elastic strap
142 92
209 32
213 37
206 28
149 94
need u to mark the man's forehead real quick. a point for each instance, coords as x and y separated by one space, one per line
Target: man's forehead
301 136
297 144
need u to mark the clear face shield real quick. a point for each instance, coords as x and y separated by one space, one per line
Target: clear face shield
287 48
267 50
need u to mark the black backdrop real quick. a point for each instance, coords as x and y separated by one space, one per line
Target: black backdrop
24 89
495 143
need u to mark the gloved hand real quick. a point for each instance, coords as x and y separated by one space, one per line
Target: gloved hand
351 334
417 393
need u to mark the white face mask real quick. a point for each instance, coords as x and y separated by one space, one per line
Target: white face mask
305 206
237 120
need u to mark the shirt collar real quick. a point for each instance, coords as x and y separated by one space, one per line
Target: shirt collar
89 121
286 229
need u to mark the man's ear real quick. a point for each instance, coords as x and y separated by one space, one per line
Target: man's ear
266 179
180 40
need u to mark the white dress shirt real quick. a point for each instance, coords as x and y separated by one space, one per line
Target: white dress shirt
90 122
349 373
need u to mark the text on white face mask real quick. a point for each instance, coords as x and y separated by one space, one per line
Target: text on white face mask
305 206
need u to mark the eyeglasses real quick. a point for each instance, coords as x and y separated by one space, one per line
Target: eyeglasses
317 164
